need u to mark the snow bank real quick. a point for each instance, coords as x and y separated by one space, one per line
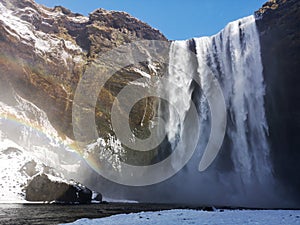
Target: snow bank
187 217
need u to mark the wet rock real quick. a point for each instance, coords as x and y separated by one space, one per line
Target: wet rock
98 197
278 24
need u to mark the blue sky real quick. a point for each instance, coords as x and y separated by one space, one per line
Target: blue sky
176 19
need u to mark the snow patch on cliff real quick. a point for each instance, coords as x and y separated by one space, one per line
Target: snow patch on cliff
42 42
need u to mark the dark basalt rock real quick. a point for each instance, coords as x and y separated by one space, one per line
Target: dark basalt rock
278 24
98 197
42 188
269 6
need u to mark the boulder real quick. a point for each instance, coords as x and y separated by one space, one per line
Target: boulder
48 189
97 197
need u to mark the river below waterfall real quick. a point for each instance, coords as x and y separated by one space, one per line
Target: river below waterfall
44 214
50 214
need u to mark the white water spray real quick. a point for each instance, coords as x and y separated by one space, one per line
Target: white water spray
233 58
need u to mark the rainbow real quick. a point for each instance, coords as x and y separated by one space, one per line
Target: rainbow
10 64
40 130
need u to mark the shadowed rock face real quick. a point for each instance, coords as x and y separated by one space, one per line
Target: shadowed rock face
278 23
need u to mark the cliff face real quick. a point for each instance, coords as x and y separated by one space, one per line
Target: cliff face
44 52
278 23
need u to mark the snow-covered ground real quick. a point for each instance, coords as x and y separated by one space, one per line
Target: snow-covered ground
187 217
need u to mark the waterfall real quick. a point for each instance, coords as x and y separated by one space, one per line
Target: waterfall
179 56
242 171
179 90
234 58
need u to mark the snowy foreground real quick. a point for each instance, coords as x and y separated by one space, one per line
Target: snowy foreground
187 217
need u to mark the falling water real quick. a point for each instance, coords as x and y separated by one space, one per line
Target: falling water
234 57
242 171
178 84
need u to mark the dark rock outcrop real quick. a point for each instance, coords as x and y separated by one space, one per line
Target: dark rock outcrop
98 197
43 188
279 27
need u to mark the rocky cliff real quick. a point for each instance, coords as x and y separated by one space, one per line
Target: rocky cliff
278 23
44 53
